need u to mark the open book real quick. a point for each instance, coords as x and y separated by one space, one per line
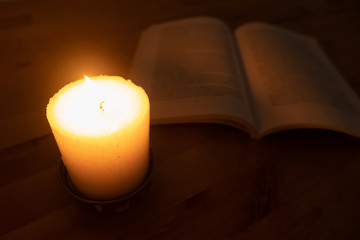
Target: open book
261 78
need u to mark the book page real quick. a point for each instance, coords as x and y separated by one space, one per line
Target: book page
190 71
293 84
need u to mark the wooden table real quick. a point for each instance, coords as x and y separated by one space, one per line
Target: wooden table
210 181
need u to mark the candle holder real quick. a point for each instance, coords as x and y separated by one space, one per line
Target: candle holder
119 204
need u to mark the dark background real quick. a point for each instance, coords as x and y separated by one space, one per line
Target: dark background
210 181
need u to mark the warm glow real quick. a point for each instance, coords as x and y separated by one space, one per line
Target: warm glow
87 79
97 106
102 129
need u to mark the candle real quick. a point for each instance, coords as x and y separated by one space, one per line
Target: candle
101 127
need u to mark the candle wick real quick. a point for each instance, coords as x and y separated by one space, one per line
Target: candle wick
101 106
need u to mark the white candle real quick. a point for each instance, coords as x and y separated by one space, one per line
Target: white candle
101 127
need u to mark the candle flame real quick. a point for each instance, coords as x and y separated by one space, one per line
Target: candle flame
87 80
89 83
94 94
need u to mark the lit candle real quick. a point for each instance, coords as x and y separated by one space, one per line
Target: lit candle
101 127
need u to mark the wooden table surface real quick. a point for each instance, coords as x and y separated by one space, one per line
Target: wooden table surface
210 181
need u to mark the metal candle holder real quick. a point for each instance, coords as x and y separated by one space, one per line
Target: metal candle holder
119 204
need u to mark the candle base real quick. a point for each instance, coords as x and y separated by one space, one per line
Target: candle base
119 204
